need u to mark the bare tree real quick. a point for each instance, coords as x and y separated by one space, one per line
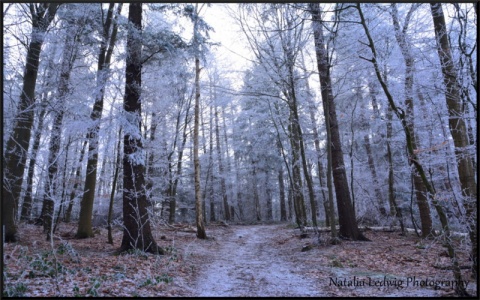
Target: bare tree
17 145
109 33
458 129
201 233
420 189
69 55
346 214
137 233
431 193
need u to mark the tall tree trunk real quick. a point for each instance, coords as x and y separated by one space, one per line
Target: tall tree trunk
281 187
346 214
236 158
226 206
210 172
391 199
229 163
394 209
268 194
320 168
76 180
199 218
17 145
137 233
256 199
456 122
84 229
282 154
151 171
420 189
299 135
64 186
297 193
114 186
373 171
26 212
460 288
102 188
50 197
298 153
364 124
311 109
173 191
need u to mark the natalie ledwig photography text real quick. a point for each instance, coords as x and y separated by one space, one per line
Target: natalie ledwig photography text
411 281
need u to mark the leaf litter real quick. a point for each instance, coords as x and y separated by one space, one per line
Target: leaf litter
236 260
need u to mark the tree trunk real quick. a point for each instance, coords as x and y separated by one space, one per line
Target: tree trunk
373 171
460 288
114 186
64 186
84 229
17 145
229 163
268 194
26 212
320 168
297 194
137 233
239 191
102 184
173 192
281 153
311 109
211 188
281 187
50 197
76 183
420 190
394 209
256 199
226 207
199 220
364 125
465 167
346 215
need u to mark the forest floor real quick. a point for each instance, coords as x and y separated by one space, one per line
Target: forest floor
236 260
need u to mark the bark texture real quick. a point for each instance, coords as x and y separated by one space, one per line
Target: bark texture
421 192
84 229
346 215
458 129
137 233
18 142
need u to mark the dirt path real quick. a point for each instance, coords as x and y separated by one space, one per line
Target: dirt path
246 263
257 260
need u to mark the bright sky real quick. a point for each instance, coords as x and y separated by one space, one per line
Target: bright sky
233 51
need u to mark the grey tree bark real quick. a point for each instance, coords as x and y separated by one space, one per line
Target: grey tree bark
199 218
109 34
50 192
137 232
17 145
346 214
420 189
460 288
458 129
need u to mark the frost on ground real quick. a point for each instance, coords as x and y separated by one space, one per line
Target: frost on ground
267 260
247 263
253 260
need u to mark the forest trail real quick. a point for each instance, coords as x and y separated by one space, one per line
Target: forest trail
245 262
238 260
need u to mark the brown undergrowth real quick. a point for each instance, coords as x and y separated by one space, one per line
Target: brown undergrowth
88 267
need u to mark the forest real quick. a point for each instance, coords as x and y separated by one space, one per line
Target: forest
242 149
